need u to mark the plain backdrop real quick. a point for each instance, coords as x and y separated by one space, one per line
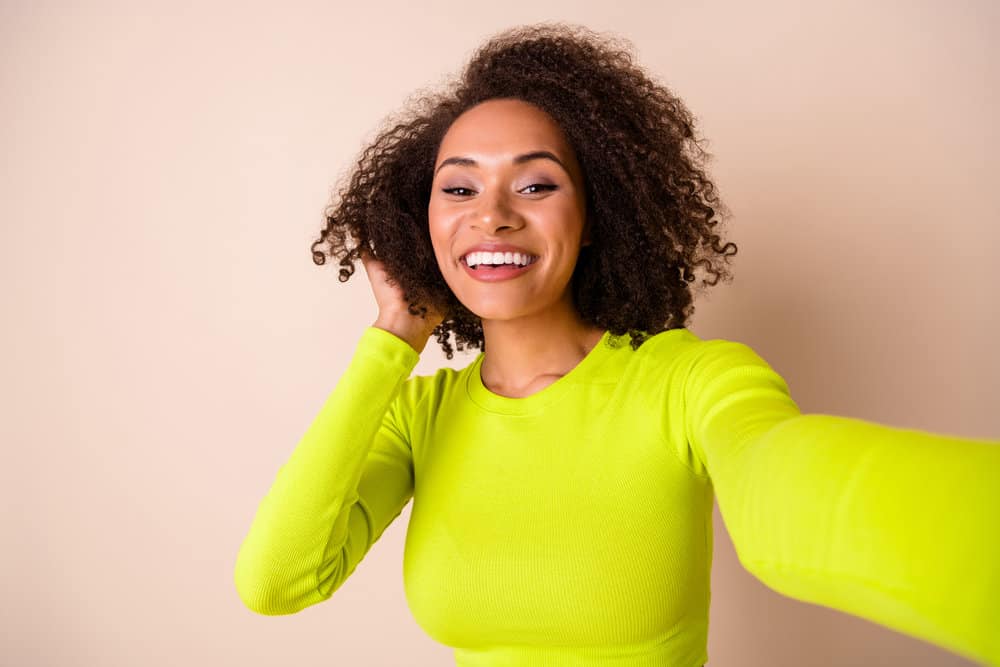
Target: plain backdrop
167 338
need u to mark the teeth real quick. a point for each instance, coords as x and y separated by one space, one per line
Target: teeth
476 258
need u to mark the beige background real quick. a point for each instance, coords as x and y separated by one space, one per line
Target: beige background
167 337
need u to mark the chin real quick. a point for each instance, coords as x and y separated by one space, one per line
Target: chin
497 310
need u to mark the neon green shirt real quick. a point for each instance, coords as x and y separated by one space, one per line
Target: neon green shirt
573 526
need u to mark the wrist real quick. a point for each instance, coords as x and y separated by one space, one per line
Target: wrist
414 332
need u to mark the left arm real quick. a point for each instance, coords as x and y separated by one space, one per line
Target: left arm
898 526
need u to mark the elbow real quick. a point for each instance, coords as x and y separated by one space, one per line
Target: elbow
254 599
271 591
254 594
260 591
262 600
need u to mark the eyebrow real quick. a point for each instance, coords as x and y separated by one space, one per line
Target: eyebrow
520 159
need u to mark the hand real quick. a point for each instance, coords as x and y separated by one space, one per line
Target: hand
393 309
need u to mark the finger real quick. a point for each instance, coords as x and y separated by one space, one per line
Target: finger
366 258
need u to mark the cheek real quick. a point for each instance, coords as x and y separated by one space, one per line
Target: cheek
437 208
437 237
440 227
561 223
435 217
440 244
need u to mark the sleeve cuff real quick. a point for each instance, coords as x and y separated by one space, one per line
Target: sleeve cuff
388 347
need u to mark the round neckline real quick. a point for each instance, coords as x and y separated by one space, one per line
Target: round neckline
527 404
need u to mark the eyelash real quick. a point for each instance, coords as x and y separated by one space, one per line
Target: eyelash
545 186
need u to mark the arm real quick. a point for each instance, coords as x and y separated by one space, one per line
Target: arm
350 475
897 526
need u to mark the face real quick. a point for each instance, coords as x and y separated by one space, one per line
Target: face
494 194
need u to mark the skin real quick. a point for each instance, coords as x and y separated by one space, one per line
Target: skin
534 334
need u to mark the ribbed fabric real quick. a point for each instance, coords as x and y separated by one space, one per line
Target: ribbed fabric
573 527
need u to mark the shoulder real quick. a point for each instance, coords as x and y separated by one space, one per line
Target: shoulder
703 355
666 345
682 349
728 375
422 392
722 361
697 363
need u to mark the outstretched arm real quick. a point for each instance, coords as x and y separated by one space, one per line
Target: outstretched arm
898 526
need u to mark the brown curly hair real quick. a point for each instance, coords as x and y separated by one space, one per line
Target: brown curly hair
651 206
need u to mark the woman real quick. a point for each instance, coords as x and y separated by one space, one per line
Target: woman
551 211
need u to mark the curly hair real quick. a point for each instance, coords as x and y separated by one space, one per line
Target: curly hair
652 208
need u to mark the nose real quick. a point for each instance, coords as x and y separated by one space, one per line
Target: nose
494 213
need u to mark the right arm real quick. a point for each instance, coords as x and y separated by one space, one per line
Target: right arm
349 476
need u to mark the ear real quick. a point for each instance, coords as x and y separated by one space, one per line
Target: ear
585 238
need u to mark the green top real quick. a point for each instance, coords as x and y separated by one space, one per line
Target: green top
573 526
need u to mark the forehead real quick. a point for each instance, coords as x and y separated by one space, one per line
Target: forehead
503 126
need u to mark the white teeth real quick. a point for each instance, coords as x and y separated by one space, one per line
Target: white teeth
476 258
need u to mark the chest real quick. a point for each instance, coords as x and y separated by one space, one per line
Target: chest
580 519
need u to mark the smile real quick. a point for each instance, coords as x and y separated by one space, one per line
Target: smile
492 274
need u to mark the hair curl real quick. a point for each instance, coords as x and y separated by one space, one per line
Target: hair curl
651 207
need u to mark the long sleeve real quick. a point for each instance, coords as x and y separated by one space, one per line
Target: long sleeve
897 526
349 476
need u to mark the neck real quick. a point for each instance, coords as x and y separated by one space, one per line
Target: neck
536 349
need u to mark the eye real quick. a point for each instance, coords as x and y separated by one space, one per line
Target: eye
545 186
452 190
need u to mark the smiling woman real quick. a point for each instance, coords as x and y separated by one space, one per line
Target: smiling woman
554 140
563 482
517 196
